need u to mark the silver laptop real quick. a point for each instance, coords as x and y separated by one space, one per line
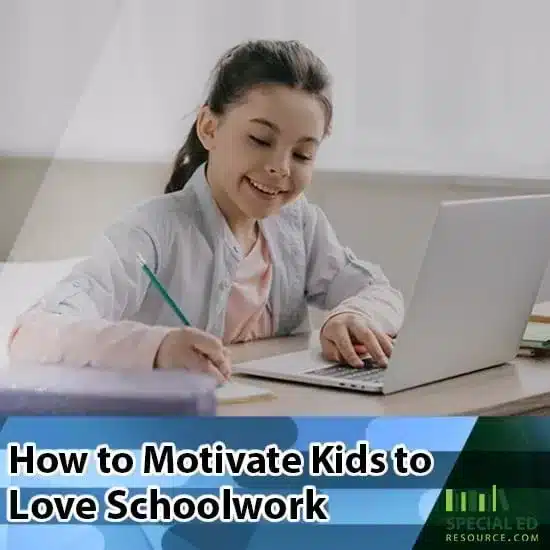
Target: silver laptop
479 279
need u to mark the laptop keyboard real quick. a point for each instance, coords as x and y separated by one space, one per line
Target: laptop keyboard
369 373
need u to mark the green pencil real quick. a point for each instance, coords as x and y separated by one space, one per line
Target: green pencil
157 284
164 293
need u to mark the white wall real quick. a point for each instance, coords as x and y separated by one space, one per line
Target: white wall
445 86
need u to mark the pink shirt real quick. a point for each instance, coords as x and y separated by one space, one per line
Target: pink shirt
247 317
49 338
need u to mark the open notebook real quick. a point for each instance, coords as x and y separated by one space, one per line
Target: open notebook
236 392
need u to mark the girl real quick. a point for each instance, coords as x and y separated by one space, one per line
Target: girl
233 239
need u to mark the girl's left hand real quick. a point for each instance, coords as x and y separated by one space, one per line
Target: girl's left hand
347 336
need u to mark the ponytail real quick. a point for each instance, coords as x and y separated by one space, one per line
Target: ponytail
189 158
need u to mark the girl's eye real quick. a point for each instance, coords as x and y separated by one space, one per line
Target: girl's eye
263 143
259 141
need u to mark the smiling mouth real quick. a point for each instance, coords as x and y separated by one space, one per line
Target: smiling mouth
264 189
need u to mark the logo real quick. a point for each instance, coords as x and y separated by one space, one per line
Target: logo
474 501
490 516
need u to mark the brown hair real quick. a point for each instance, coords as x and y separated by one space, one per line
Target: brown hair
242 68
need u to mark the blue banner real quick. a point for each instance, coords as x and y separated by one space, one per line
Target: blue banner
244 483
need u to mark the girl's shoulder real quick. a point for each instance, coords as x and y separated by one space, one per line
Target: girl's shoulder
161 211
178 204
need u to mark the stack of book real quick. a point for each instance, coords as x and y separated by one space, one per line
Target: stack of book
537 331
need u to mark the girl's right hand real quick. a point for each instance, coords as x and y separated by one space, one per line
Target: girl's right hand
195 350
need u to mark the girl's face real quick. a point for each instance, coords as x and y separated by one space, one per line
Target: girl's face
262 151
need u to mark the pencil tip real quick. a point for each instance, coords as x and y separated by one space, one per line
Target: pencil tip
140 258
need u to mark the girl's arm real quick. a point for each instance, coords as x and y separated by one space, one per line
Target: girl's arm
43 337
81 321
340 282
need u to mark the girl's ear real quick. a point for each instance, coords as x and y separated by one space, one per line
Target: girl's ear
207 124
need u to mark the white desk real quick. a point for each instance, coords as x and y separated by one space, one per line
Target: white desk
521 387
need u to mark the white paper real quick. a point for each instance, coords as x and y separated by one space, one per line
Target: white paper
236 392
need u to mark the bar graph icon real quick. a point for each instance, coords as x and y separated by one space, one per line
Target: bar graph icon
474 501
